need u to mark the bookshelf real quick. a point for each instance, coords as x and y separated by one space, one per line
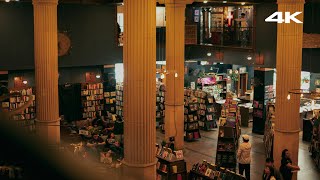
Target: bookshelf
191 119
160 107
269 130
119 99
227 148
170 165
18 100
110 104
206 112
209 171
92 99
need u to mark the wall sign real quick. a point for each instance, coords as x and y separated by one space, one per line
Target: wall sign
18 83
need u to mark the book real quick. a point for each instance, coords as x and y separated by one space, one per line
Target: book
179 154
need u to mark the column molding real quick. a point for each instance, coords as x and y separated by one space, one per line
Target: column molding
44 2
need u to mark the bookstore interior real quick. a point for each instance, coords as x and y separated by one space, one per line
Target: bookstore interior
216 96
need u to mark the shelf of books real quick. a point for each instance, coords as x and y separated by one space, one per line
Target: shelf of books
191 120
229 133
209 171
315 143
92 100
160 107
206 112
170 165
216 85
269 130
110 104
119 99
18 100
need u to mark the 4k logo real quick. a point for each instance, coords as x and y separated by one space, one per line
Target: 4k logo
288 17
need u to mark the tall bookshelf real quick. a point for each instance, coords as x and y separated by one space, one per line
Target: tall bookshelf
110 104
269 130
206 112
119 99
227 148
18 100
92 100
191 119
160 107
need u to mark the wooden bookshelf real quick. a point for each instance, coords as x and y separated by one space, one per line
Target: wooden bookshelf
206 112
110 104
171 170
191 118
119 99
22 96
92 100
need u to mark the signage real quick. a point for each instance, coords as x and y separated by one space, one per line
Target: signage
90 77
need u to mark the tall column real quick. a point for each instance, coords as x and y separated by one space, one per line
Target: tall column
289 61
46 69
174 104
140 87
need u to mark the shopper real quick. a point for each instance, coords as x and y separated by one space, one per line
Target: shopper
270 163
243 27
244 156
95 145
286 167
269 174
97 121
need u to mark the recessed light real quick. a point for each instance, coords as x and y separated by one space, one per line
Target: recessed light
7 0
224 1
205 1
243 3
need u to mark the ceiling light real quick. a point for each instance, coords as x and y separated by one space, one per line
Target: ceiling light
98 76
224 1
249 58
243 3
25 81
7 0
208 54
205 1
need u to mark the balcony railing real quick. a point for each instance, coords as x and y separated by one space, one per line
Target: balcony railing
229 36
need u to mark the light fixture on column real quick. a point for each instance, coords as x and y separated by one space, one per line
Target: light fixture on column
300 92
175 74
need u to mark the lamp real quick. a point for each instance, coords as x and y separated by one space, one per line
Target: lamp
25 82
98 76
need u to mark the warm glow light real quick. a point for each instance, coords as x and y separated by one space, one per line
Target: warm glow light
98 76
249 58
175 74
208 54
205 1
224 1
7 0
288 97
162 76
25 82
301 95
243 3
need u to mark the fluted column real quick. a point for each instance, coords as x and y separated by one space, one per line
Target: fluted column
289 61
46 69
174 103
140 87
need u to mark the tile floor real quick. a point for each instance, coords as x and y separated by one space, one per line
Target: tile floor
205 148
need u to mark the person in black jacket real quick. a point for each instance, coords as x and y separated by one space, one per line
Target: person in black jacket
286 167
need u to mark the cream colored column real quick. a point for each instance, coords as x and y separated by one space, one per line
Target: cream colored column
289 61
140 88
46 69
174 103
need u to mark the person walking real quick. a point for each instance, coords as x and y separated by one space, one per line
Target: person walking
286 167
244 156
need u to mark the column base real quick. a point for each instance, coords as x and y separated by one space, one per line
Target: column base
49 132
138 173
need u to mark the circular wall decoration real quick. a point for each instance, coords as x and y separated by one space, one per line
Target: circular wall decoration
64 44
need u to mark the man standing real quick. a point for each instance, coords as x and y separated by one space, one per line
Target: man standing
244 156
243 27
270 163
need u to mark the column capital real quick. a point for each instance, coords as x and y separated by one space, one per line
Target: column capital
290 1
176 2
39 2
